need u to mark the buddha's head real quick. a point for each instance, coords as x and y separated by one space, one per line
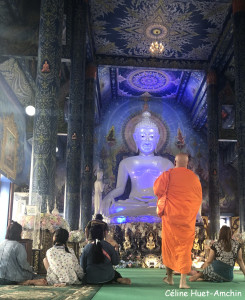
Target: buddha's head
146 134
99 174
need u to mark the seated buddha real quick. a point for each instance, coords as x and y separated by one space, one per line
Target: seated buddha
142 169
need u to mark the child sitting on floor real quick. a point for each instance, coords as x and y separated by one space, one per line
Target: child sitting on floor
61 263
98 258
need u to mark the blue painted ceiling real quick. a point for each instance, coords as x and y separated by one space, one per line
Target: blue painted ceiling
197 35
188 29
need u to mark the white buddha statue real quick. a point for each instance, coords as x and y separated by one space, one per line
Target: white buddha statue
98 190
143 170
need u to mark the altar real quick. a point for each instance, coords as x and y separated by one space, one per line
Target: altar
139 241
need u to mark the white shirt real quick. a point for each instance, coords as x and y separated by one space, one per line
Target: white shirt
63 266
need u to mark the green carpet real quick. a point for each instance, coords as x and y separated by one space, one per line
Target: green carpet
147 284
18 292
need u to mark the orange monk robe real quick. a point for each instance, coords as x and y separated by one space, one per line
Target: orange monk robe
183 200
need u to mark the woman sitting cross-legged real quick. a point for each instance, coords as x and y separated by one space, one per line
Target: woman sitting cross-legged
98 258
14 268
222 257
61 263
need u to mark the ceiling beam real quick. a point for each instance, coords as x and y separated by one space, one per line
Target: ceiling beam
153 62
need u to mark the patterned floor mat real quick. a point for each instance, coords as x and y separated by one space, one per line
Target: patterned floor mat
17 292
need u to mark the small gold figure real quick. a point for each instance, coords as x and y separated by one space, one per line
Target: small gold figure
150 242
45 68
127 243
74 136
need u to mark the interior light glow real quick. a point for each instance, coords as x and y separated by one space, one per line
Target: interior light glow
30 110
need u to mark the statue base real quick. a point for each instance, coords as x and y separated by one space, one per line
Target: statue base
128 211
132 219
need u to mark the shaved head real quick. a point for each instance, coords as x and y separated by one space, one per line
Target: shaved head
181 160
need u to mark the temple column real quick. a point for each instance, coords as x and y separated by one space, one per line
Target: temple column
239 57
45 122
213 152
75 113
88 146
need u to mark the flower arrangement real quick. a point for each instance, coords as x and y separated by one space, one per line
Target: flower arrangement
76 236
43 221
129 264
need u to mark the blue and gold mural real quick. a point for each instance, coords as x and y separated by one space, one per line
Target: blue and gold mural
127 28
148 82
185 87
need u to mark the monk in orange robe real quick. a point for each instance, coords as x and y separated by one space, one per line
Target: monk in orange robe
179 195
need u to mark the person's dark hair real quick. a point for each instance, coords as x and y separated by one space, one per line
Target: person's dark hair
99 217
97 235
13 231
61 236
225 237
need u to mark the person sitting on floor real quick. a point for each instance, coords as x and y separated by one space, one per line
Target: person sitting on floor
98 258
61 263
14 268
221 260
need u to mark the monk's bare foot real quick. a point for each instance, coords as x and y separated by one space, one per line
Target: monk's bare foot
168 281
184 286
124 280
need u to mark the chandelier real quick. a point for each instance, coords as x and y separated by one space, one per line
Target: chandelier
156 48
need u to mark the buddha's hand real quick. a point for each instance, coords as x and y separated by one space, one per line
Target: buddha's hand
106 204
